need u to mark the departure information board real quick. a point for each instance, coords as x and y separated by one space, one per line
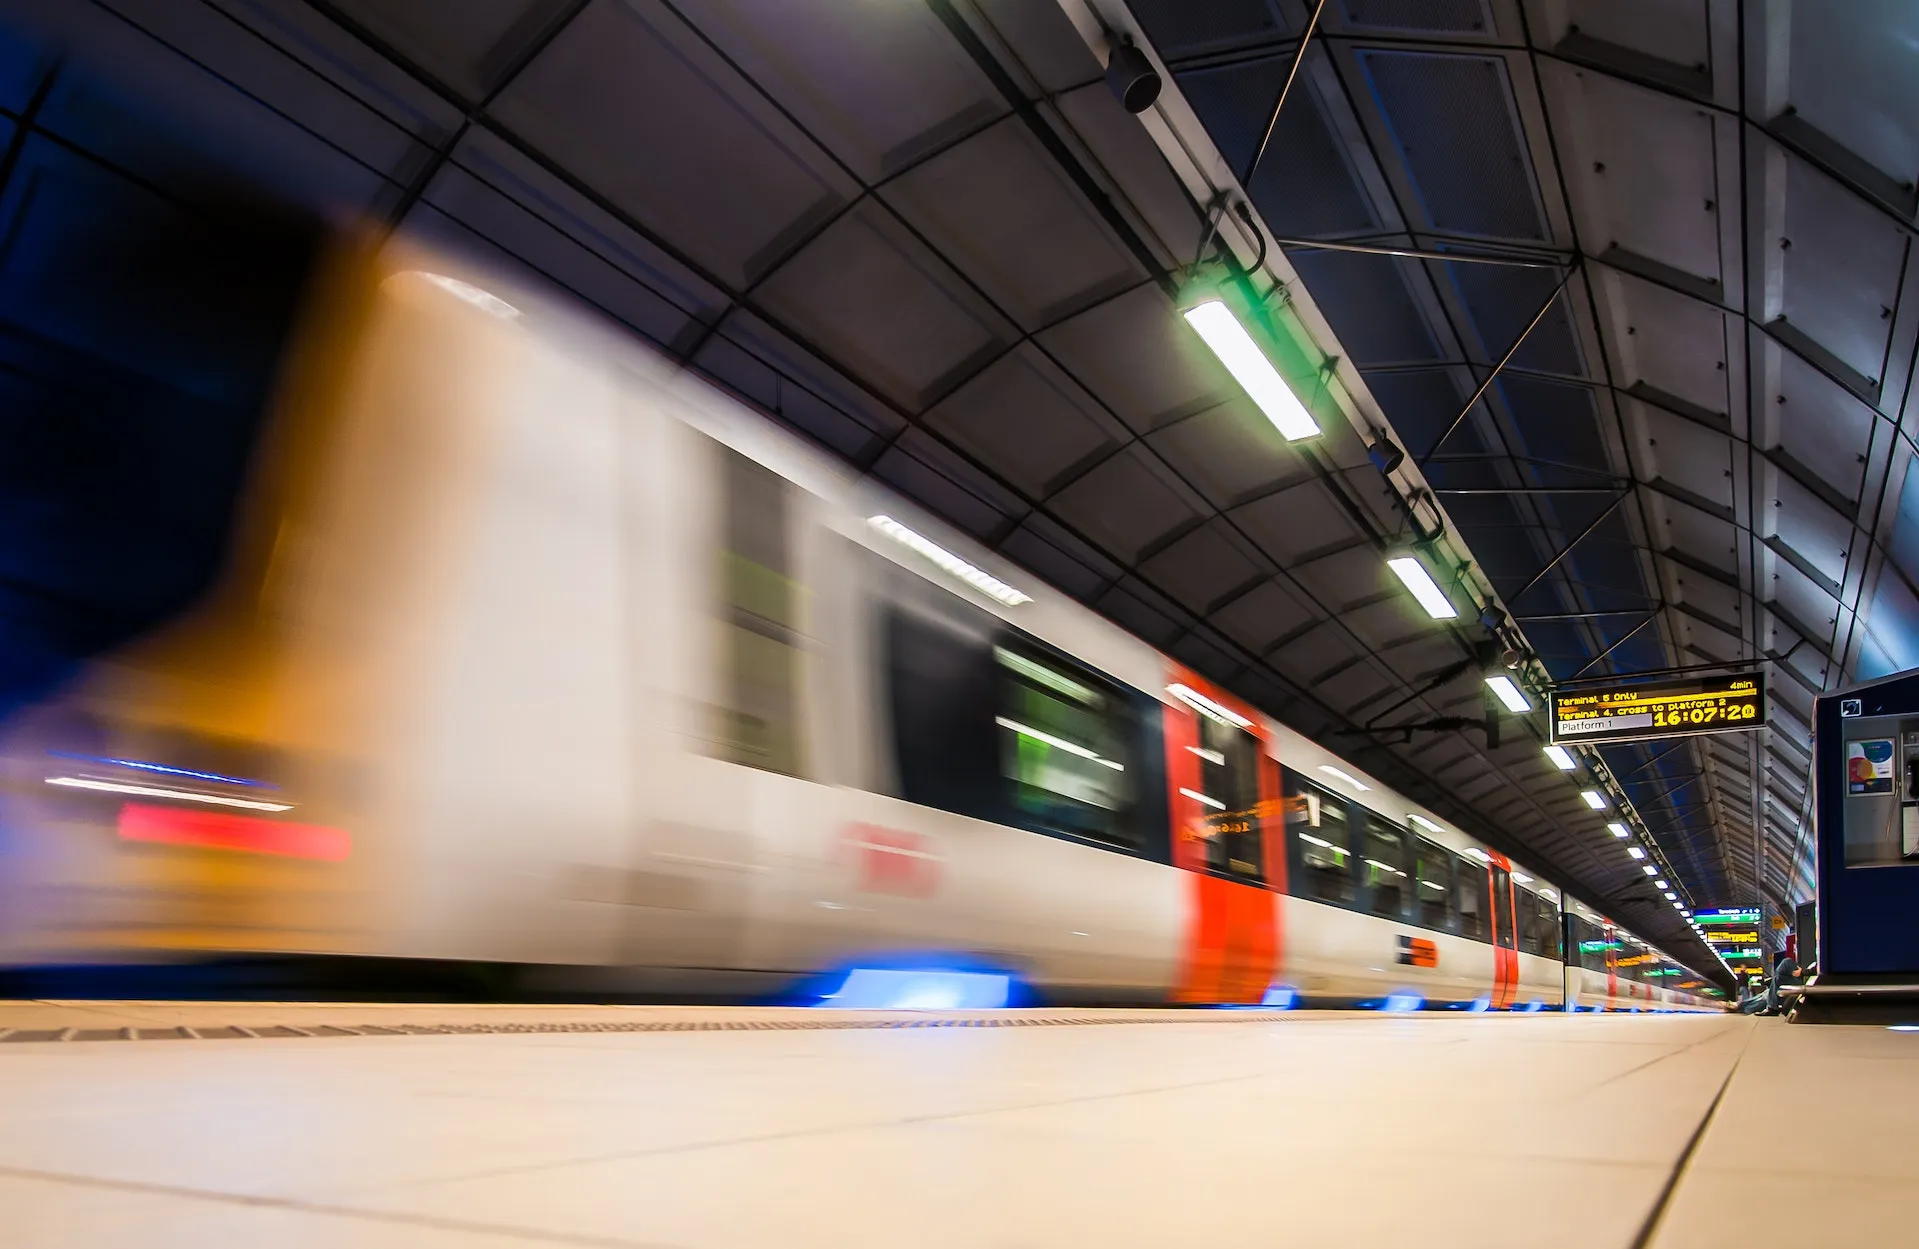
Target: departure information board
1630 713
1738 927
1734 932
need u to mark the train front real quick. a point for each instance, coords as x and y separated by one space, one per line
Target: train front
244 480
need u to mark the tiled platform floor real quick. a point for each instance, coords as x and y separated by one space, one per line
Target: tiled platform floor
1169 1128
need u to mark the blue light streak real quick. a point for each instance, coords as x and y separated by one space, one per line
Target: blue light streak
887 988
164 769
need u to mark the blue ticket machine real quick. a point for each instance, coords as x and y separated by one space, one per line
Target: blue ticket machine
1866 826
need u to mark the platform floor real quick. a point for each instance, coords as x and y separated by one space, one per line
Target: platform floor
169 1125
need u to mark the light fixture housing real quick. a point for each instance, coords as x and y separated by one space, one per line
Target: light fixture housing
1508 692
986 583
1660 884
1635 852
1650 870
1594 799
1222 330
1672 897
1562 758
1424 823
1412 572
466 292
1618 829
1207 707
1340 774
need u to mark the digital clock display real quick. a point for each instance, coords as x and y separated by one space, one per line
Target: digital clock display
1626 713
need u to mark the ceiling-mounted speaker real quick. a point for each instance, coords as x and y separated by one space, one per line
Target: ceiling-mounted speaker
1131 77
1385 454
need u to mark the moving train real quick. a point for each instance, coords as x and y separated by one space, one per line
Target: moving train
534 649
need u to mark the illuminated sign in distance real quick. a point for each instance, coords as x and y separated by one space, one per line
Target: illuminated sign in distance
1631 713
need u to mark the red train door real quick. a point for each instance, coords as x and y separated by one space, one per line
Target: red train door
1612 965
1505 935
1233 925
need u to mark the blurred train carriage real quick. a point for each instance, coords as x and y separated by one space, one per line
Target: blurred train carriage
535 650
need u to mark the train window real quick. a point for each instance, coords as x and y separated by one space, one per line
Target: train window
1551 941
940 676
1471 882
1433 900
1065 747
1321 843
1384 868
1530 939
759 723
1594 944
1229 774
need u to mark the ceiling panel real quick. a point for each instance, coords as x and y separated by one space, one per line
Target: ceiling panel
880 86
1127 502
1139 359
1229 453
1027 419
1840 262
873 296
631 102
1002 210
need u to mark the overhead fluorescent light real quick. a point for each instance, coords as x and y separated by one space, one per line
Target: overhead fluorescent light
1347 777
1635 852
1250 367
1208 799
1522 878
1594 799
1479 854
1618 830
1412 571
1672 897
985 582
1685 912
155 791
1425 823
1660 884
1509 693
1207 707
1562 758
1650 870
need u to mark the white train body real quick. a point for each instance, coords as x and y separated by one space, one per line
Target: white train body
510 657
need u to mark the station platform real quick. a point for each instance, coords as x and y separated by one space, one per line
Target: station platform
452 1127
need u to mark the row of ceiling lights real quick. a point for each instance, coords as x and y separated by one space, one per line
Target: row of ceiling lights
1227 335
1136 83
